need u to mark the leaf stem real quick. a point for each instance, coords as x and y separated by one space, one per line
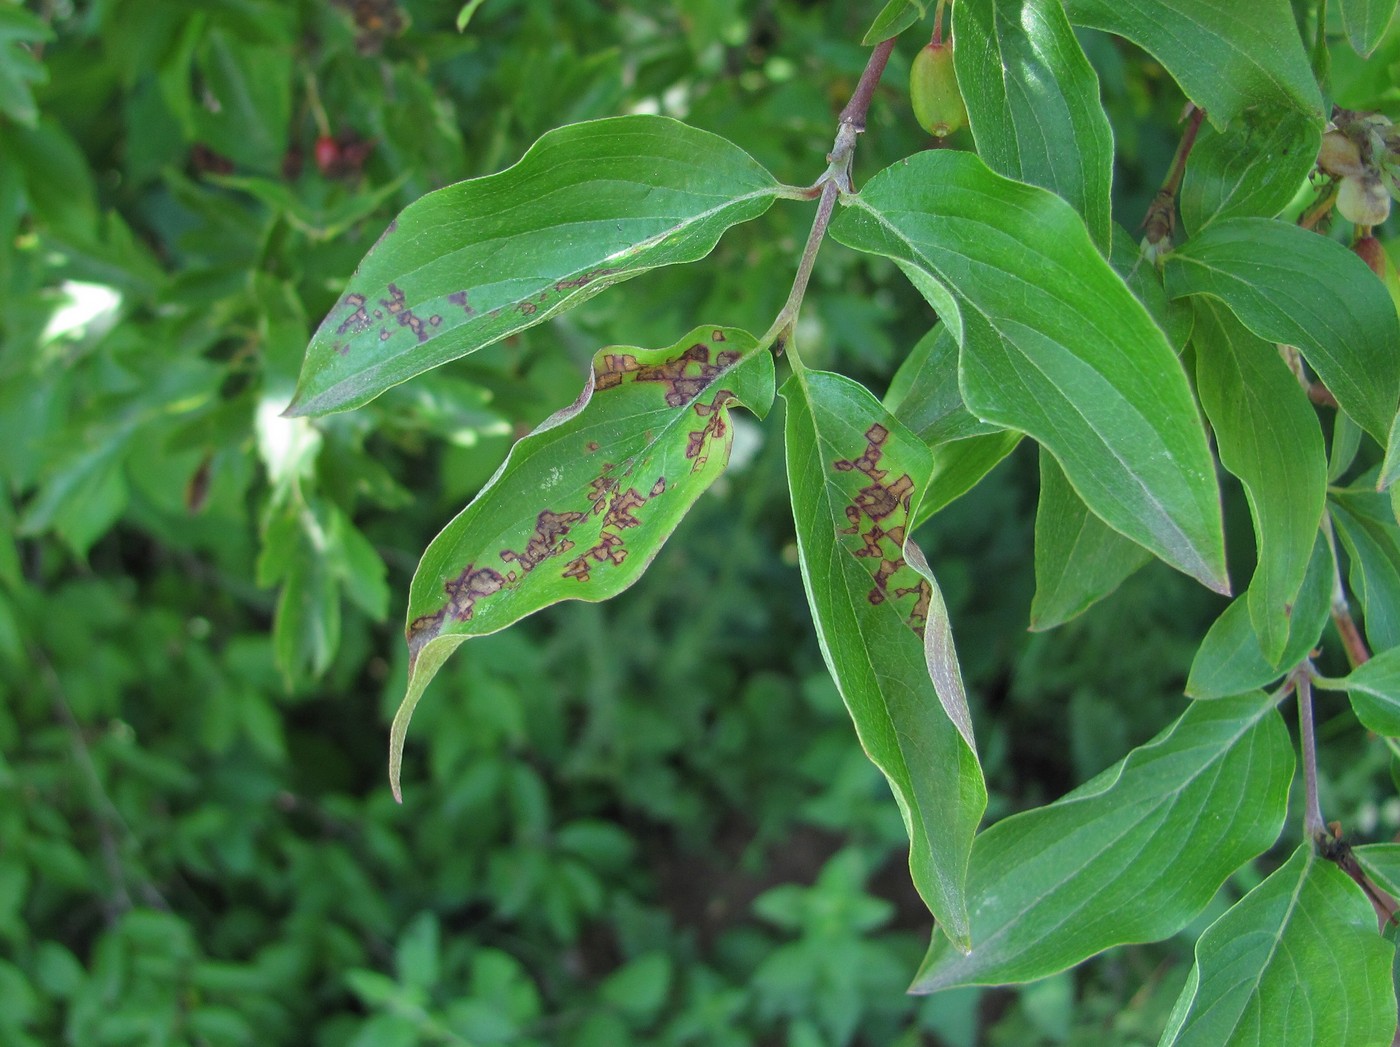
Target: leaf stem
1160 220
1313 825
835 180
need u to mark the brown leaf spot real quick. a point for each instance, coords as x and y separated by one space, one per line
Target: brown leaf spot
460 298
548 540
608 550
358 320
467 588
620 509
659 487
397 305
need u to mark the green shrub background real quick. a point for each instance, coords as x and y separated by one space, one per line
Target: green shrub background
644 822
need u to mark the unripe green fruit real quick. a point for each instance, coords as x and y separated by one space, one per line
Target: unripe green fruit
933 90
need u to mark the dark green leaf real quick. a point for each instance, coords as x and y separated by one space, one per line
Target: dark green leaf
1053 345
1296 962
1079 559
582 505
1367 527
857 476
1131 856
1374 687
248 100
1287 284
895 17
1144 279
1228 58
1382 862
1267 435
1251 170
1230 659
588 206
1033 103
1366 22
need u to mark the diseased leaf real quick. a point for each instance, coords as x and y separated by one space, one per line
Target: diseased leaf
1295 963
1079 559
1267 435
1251 170
582 505
1288 284
1228 58
1230 659
857 476
1053 345
1367 528
1033 103
589 205
1374 688
895 17
1131 856
1366 22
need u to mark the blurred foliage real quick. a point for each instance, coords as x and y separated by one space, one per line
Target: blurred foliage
645 822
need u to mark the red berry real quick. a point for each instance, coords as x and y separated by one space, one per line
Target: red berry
327 154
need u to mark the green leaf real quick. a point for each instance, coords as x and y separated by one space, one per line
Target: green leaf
1297 961
1374 689
895 17
924 392
1053 345
1228 58
1390 467
1079 559
19 69
464 16
589 205
1267 435
1381 861
1033 103
1366 22
1231 659
857 476
1254 169
582 505
1368 531
248 95
960 465
1131 856
1287 284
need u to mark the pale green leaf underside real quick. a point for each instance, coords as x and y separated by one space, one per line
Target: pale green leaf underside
1367 528
1288 284
1033 103
1297 962
1267 435
1374 687
1131 856
1366 22
1228 57
1053 345
856 477
582 505
589 205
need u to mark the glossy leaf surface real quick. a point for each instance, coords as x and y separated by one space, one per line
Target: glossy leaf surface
1290 285
857 476
1267 434
1251 170
588 206
1131 856
1053 344
1227 57
582 505
1295 963
1029 91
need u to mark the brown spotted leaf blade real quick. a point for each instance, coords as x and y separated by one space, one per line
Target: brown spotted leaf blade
588 206
583 504
857 476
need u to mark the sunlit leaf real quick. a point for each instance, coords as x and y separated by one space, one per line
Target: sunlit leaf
588 206
1267 435
1033 103
1131 856
857 476
582 505
1079 559
1227 57
1287 284
1296 962
1053 345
